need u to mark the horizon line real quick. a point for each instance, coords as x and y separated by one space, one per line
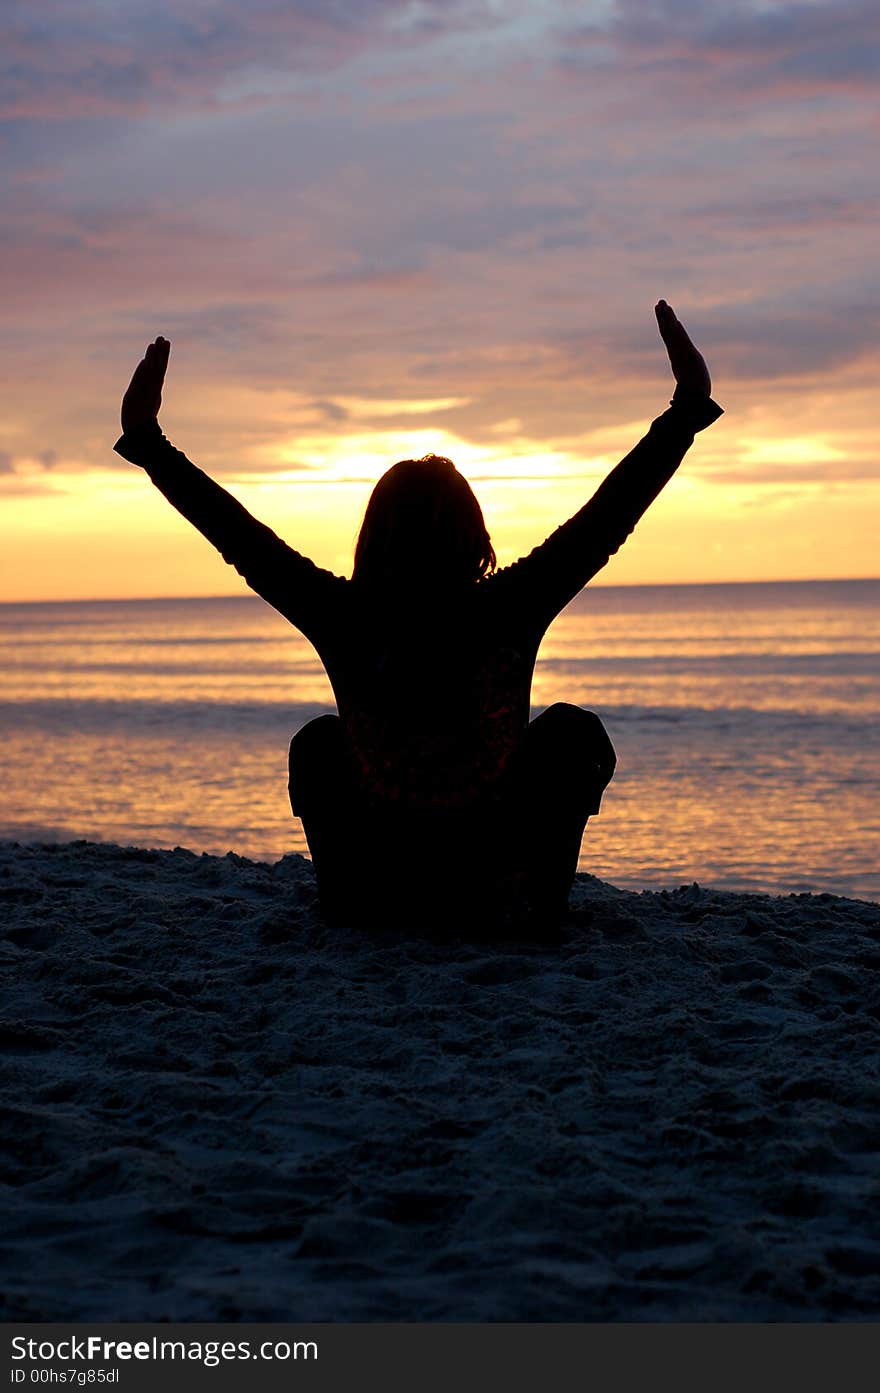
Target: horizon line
630 585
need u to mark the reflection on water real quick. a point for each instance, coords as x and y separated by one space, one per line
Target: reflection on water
744 719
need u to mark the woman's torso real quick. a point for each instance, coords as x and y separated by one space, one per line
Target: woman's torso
432 691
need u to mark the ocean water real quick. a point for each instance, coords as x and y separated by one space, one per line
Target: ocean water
744 718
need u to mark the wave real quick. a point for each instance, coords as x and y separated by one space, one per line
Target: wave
136 639
850 662
283 669
81 714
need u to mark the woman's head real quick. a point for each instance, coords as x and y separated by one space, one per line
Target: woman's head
423 524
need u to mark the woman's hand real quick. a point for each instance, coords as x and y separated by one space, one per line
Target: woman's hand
688 366
144 396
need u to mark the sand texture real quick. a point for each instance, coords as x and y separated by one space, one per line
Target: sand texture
216 1108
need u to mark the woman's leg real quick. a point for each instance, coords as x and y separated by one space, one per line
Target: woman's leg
556 783
373 864
321 792
565 763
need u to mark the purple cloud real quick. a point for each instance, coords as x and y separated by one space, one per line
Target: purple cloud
74 58
397 199
786 46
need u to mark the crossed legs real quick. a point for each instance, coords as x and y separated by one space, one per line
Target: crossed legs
535 821
561 770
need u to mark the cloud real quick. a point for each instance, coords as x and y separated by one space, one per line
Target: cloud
694 48
816 210
322 203
824 472
81 59
16 487
768 337
122 255
329 411
67 60
384 281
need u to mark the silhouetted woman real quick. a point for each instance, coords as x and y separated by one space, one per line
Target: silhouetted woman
430 797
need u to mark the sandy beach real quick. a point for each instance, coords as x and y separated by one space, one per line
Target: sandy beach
215 1108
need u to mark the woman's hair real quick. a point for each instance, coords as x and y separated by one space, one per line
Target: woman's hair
423 522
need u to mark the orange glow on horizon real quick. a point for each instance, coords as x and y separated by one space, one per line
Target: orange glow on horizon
80 533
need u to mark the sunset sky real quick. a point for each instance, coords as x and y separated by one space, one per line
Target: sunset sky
373 228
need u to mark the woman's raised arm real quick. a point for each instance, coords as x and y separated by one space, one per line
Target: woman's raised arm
542 583
290 582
